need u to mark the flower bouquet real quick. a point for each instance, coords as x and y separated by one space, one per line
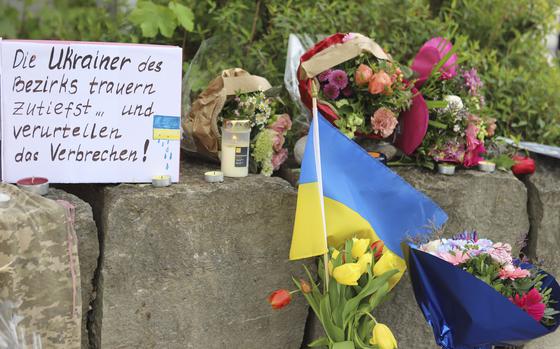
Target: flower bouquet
268 129
475 294
362 91
457 129
361 276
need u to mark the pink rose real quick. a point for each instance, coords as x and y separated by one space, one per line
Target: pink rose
277 141
282 124
279 158
512 273
379 83
384 122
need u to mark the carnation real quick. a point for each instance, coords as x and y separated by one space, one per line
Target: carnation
383 122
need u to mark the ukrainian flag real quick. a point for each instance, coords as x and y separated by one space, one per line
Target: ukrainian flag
351 194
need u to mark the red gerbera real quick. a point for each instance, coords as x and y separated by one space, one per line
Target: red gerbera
531 302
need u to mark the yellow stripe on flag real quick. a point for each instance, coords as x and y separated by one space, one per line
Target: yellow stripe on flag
308 239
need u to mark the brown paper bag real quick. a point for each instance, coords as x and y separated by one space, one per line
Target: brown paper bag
200 127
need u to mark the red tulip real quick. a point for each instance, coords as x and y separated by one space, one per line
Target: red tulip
363 75
279 298
377 248
523 165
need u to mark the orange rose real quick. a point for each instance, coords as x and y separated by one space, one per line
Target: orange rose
379 82
363 75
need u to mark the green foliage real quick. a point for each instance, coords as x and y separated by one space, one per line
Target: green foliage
153 18
505 39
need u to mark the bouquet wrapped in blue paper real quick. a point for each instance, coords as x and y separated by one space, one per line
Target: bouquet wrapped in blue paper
475 295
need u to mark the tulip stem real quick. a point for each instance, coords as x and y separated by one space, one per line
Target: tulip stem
371 316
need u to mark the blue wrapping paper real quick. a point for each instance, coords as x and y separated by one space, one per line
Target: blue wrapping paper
466 313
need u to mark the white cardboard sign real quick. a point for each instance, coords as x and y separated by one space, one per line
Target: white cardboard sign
77 112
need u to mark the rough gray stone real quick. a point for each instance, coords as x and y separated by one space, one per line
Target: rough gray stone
88 250
544 207
191 265
493 204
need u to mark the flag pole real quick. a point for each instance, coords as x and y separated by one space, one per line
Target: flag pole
316 146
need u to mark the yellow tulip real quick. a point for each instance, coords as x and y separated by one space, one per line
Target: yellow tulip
334 254
383 337
387 262
365 261
347 274
359 247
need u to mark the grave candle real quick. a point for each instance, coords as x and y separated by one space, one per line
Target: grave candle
37 185
235 148
4 200
486 166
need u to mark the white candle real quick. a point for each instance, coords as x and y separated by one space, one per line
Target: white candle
486 166
446 169
161 181
235 148
4 200
214 176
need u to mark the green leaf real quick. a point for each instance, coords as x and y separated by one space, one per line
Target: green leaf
152 18
437 124
336 334
184 15
436 104
321 342
373 285
344 345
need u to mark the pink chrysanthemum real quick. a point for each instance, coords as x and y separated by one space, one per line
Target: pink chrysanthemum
331 91
339 78
531 302
324 76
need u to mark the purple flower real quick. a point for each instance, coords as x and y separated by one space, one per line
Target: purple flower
472 81
331 91
339 78
325 76
347 92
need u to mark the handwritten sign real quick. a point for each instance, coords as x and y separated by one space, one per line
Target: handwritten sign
89 112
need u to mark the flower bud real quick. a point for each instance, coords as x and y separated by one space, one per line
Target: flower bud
305 286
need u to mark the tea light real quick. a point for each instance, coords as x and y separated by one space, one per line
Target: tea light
161 181
486 166
236 137
446 169
4 200
37 185
214 176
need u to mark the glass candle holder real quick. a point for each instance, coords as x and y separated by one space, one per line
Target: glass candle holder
236 138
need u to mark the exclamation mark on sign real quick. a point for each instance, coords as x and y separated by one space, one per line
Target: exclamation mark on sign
146 144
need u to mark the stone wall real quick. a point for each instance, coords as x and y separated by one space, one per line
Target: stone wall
190 266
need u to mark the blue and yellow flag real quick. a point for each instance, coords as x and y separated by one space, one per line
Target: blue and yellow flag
352 194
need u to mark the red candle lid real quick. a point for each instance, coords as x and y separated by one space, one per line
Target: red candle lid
32 181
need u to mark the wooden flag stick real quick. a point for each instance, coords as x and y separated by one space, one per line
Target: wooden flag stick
318 170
